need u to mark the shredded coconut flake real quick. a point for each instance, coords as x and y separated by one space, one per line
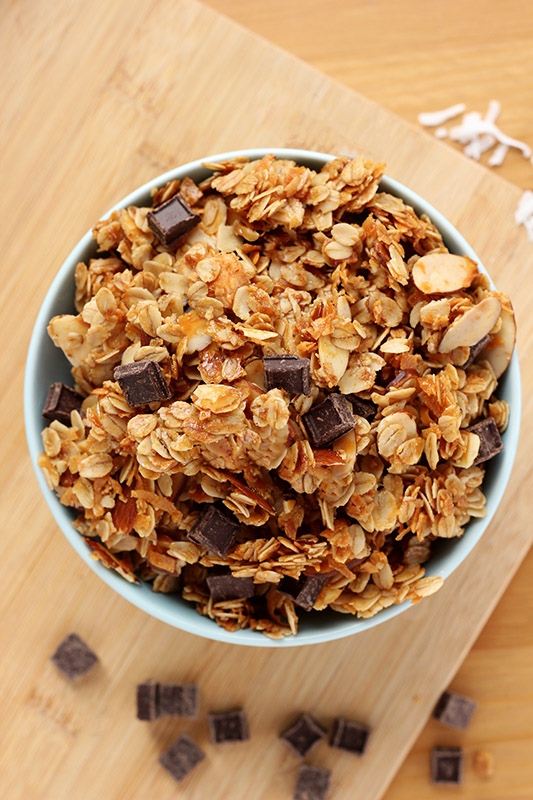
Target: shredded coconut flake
524 213
431 119
498 155
441 132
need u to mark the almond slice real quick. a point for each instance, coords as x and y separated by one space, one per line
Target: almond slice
440 273
499 350
467 330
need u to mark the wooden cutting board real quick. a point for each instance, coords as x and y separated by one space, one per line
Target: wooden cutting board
100 97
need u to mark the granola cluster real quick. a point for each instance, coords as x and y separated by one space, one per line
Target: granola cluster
284 260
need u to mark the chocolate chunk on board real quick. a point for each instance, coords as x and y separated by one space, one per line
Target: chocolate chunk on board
349 735
303 591
226 587
287 372
178 700
228 726
447 766
73 657
454 710
475 350
490 440
303 735
142 382
329 420
60 401
312 783
362 408
147 701
215 530
172 219
181 757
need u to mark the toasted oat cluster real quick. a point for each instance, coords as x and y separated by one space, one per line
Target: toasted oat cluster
211 471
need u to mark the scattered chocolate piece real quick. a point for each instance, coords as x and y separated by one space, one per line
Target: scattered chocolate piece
181 757
491 442
303 734
303 591
329 420
447 766
312 783
147 701
228 726
73 657
454 710
349 735
215 530
60 401
288 372
362 408
142 382
475 350
178 700
172 219
227 587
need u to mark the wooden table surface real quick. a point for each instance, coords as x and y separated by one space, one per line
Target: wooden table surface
412 56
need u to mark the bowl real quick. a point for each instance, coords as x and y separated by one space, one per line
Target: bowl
46 364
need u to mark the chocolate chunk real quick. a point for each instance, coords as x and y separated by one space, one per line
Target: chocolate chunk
73 657
362 408
312 783
181 757
228 726
178 700
147 701
349 735
447 765
60 401
303 734
329 420
172 219
475 350
287 372
226 587
303 591
142 382
215 530
490 440
454 710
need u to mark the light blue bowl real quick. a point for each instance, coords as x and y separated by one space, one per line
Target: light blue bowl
47 364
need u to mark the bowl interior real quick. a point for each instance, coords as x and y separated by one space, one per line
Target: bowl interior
46 364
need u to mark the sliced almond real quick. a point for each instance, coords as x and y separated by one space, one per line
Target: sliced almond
440 273
467 330
333 360
499 350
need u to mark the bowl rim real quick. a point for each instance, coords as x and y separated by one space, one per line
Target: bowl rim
171 613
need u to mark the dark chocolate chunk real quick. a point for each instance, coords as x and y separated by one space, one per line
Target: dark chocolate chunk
312 783
490 440
447 765
227 587
60 401
475 350
362 408
181 757
228 726
73 657
287 372
142 382
147 701
172 219
303 591
454 710
349 735
215 530
303 734
178 700
329 420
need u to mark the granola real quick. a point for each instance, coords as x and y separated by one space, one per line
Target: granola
285 260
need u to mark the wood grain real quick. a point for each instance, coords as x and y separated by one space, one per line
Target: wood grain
98 98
